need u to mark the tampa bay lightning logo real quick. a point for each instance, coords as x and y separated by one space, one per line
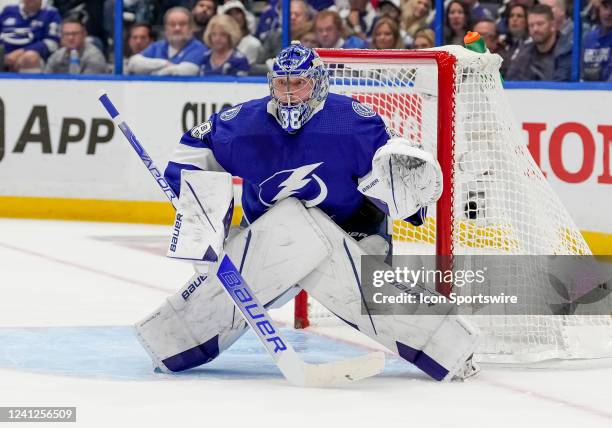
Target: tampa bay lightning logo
293 58
230 113
300 182
18 36
363 109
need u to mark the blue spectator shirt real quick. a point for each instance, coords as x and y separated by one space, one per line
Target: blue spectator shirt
480 12
354 42
193 52
236 65
268 20
321 4
597 57
38 32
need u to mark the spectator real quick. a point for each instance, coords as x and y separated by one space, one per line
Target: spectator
597 56
222 35
487 30
310 40
390 9
516 36
301 23
424 39
330 32
89 57
361 18
250 18
249 45
29 34
517 27
563 24
590 14
502 25
90 13
457 23
321 4
414 16
386 35
477 11
269 20
180 54
527 3
301 18
202 12
139 38
546 56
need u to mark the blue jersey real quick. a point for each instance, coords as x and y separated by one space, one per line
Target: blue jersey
38 32
192 52
320 4
320 164
354 42
268 20
597 57
236 65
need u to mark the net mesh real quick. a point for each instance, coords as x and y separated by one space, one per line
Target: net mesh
501 202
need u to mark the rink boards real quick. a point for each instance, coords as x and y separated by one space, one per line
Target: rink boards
60 157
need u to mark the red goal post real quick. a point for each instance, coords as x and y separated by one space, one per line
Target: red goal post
445 63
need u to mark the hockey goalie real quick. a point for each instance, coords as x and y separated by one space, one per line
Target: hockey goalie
321 175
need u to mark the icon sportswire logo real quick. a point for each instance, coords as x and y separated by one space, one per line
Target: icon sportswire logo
300 182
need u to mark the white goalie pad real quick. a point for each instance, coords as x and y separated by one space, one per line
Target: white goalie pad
203 216
200 321
404 178
439 344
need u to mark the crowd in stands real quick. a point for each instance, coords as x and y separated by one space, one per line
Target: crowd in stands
535 38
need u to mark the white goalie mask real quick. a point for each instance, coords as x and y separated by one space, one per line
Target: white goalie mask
299 84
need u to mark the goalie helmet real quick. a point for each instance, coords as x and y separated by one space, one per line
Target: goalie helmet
299 84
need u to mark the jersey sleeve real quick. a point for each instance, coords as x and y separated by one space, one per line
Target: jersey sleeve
50 35
195 151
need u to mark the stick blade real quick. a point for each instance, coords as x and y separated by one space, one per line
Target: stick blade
345 371
332 373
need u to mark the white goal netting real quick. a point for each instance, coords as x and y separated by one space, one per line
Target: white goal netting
451 101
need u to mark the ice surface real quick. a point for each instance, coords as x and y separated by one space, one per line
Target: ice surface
69 292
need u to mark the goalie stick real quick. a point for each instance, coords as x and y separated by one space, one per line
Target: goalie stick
293 368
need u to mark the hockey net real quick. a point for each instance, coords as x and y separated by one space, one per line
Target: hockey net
495 200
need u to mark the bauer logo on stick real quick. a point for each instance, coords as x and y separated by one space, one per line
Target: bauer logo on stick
255 314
